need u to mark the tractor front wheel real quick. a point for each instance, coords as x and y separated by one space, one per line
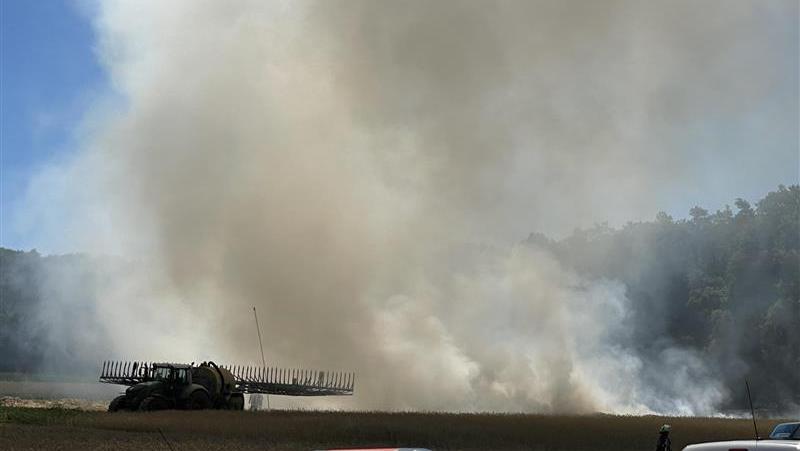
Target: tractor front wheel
199 401
117 404
152 403
236 402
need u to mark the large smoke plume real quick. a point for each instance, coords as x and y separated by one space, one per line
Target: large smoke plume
360 172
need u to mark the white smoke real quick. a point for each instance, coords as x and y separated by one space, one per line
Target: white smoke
333 162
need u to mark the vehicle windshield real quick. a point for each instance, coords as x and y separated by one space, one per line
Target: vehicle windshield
162 373
786 431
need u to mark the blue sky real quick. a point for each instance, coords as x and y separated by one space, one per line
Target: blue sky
49 77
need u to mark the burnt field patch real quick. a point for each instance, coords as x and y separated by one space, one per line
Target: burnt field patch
24 428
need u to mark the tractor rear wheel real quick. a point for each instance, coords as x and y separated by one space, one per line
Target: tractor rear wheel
117 404
199 401
152 403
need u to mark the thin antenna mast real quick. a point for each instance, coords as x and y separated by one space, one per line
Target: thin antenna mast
261 346
752 411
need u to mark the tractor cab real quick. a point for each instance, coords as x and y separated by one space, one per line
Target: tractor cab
171 374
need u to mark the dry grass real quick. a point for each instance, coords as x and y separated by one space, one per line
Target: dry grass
22 428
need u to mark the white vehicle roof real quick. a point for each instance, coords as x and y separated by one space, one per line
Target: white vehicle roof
784 437
747 445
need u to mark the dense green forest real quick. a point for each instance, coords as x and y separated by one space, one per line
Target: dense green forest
724 284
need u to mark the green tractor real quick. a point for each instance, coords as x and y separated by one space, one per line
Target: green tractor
160 386
179 386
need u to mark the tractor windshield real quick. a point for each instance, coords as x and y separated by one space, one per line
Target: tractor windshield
162 373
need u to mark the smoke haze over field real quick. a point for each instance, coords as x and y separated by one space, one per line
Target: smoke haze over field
360 172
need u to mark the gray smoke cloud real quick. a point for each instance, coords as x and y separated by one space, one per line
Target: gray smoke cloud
360 172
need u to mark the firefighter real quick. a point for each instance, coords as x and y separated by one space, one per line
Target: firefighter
664 443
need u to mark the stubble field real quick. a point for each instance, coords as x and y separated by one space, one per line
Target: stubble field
62 429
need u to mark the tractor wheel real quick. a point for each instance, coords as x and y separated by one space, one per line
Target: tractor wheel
152 403
199 401
236 402
118 404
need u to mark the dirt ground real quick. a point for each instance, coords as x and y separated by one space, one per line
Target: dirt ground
61 429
